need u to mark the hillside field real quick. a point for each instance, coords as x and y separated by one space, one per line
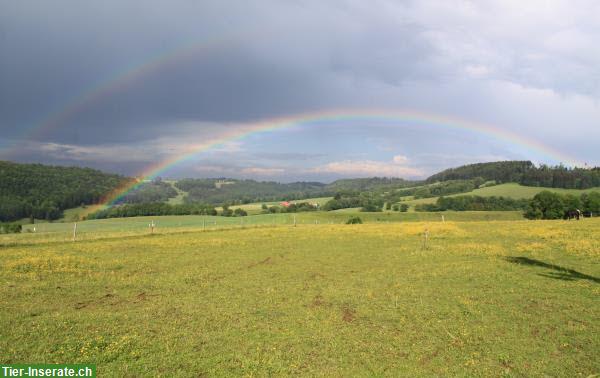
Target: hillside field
510 190
503 298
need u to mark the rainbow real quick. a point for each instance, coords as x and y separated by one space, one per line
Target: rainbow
126 77
336 116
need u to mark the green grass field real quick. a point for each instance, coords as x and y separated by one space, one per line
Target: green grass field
108 228
256 208
511 190
504 298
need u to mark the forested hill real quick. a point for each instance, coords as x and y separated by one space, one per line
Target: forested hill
217 191
524 173
371 183
234 191
43 191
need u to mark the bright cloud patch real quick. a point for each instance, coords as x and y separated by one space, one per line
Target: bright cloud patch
370 168
262 171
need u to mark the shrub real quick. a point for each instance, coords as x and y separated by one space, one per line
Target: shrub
11 228
354 220
239 212
546 205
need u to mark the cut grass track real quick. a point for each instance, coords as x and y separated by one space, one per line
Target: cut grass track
510 190
485 298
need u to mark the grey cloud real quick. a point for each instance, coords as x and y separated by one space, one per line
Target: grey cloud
527 67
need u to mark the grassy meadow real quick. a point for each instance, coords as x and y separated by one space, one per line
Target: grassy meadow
503 298
510 190
120 227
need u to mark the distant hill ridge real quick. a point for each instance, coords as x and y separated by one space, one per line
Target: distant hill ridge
43 191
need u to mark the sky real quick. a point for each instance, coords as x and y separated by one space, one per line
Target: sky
125 86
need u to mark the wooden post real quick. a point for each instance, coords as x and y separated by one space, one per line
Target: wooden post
425 238
74 231
294 220
443 220
203 224
151 227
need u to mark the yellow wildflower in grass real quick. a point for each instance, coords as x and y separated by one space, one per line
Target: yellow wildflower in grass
482 299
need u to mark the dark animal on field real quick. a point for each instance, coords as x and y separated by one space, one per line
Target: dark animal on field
587 214
572 214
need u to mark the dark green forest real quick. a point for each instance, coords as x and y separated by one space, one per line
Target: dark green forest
149 192
235 192
43 192
524 173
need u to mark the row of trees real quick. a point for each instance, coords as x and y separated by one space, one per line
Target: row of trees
152 209
292 208
474 203
227 212
367 201
550 205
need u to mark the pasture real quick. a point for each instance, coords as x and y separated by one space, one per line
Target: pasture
510 190
118 227
512 298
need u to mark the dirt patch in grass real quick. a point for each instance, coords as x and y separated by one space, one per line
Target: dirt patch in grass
317 301
262 262
348 314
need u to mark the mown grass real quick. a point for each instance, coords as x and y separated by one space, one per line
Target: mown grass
482 299
116 227
510 190
256 207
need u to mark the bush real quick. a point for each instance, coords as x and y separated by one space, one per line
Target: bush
239 212
546 205
404 208
11 228
354 220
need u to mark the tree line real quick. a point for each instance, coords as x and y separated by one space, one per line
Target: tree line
474 203
366 201
152 209
292 208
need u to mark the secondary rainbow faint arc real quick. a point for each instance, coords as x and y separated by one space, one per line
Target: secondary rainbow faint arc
128 76
338 115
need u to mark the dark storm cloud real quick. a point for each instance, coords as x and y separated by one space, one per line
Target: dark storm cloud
268 64
491 61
